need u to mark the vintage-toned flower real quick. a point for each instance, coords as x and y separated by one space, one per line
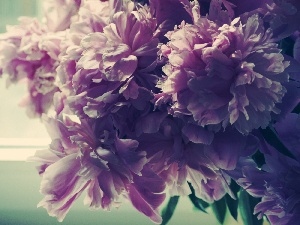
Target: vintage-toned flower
63 182
282 17
276 185
182 153
30 51
277 181
89 155
279 15
20 45
58 14
281 200
92 17
233 74
110 66
64 173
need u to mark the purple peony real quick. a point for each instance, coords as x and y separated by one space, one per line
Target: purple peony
233 74
277 181
90 155
109 65
64 174
278 187
182 153
282 17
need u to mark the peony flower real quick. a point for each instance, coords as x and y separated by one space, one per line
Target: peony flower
279 15
169 13
276 182
282 17
92 17
64 174
31 52
233 74
59 13
281 201
63 183
277 185
89 155
109 64
180 154
20 47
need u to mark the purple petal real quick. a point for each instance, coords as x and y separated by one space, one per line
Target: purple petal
146 194
289 132
198 134
94 195
296 50
61 186
133 159
150 123
227 148
122 69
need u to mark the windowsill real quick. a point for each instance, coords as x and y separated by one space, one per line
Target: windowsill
19 149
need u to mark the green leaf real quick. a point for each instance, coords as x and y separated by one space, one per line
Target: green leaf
168 211
197 202
233 204
271 137
259 158
219 209
246 206
296 109
287 45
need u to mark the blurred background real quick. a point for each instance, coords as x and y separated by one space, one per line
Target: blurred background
21 136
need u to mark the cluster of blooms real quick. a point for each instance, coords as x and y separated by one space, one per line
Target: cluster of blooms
144 99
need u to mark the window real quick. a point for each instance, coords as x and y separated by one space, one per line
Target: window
19 135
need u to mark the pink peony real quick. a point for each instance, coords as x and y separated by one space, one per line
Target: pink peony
60 13
110 60
31 52
89 155
92 16
65 174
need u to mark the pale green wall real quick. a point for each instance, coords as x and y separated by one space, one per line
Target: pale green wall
10 10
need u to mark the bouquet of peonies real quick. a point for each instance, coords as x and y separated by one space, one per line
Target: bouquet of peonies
143 98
